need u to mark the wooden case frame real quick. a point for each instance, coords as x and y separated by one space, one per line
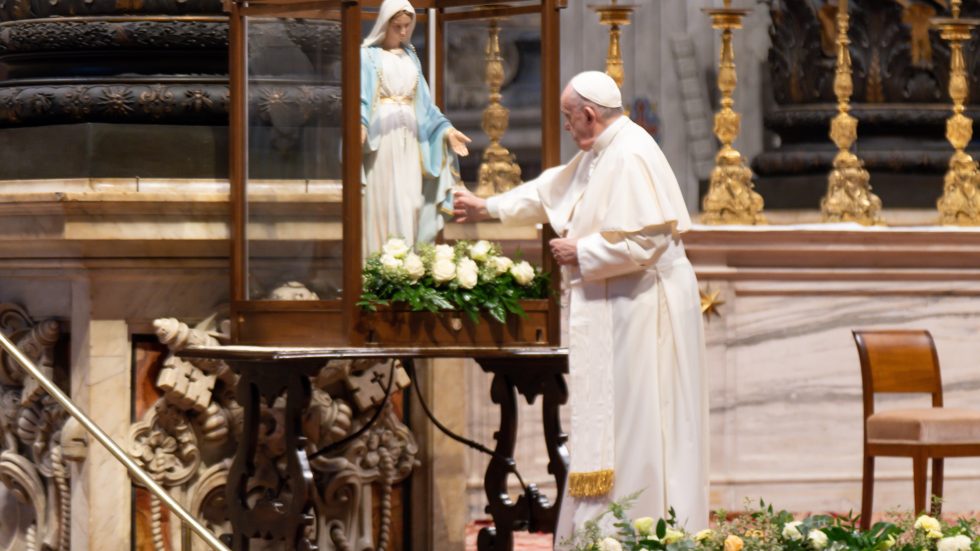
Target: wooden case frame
342 322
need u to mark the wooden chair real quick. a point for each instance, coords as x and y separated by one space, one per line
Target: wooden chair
906 362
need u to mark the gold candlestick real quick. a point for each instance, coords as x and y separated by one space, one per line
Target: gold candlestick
615 16
731 198
849 197
960 202
499 170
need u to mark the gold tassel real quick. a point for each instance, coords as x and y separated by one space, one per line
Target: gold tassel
590 484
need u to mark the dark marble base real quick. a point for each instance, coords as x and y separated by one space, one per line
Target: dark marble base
99 150
897 191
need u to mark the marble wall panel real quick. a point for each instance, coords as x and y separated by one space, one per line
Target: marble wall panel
787 424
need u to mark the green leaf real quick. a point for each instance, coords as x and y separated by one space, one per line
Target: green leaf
498 312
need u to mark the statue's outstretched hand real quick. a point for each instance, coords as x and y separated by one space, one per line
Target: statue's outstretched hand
467 207
457 142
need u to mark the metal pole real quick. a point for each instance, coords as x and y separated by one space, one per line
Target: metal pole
110 445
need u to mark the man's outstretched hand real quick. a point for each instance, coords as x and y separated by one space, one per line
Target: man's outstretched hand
467 207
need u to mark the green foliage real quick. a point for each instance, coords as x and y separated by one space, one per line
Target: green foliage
761 528
390 277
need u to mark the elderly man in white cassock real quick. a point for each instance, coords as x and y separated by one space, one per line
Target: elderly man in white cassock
638 394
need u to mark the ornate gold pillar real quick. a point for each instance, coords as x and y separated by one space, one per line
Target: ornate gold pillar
731 198
849 197
960 202
499 170
615 16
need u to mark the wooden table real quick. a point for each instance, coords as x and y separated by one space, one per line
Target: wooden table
268 372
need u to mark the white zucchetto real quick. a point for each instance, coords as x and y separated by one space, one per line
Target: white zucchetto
599 88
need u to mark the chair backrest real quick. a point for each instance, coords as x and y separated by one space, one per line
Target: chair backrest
898 361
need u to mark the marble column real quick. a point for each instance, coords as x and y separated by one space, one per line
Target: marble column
439 483
100 385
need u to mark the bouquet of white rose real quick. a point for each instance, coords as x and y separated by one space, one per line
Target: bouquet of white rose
467 277
765 529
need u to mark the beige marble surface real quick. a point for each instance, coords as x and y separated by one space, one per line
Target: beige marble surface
100 385
786 386
786 395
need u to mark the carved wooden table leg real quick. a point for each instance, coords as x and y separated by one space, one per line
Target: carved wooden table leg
530 377
279 510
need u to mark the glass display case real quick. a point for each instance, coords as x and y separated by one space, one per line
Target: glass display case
302 217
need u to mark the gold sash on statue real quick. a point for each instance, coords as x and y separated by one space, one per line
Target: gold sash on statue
401 100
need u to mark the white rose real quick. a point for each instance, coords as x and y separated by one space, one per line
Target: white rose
955 543
643 526
467 273
927 524
443 270
610 544
480 250
704 534
501 264
673 536
523 272
817 538
390 263
934 535
414 267
396 248
791 531
444 252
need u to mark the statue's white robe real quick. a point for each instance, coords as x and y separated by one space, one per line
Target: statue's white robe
633 313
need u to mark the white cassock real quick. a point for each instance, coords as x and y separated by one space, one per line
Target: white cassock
637 383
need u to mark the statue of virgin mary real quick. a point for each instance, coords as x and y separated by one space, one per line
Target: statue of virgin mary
410 147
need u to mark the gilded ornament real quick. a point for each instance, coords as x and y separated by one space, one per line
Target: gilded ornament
917 16
843 130
959 131
727 125
615 16
731 198
710 302
960 201
827 16
849 197
498 170
727 78
591 484
874 89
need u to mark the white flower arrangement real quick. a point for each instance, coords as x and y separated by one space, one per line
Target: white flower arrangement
467 277
765 529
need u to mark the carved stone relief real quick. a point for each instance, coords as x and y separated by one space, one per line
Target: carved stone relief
164 69
187 439
37 439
